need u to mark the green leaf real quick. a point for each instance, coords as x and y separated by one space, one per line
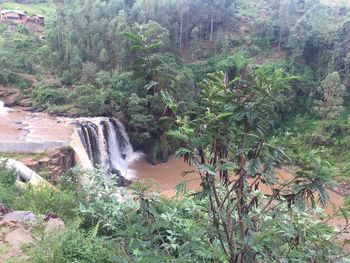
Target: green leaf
182 151
151 85
344 214
181 188
178 136
225 115
228 166
133 37
156 45
253 167
206 168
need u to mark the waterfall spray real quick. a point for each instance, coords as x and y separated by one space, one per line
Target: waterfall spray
3 109
104 142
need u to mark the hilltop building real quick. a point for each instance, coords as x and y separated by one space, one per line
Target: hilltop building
21 17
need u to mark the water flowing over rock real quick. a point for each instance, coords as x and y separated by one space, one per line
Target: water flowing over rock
104 142
3 109
27 132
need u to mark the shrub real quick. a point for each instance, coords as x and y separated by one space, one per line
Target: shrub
74 245
88 74
8 177
149 228
8 191
40 200
9 77
44 200
66 78
46 95
22 29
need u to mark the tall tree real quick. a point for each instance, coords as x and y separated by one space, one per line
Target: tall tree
332 92
228 144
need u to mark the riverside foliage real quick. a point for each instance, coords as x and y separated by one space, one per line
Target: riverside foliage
151 228
147 62
107 57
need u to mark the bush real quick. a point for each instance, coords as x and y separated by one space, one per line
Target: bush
73 245
8 191
46 95
88 74
40 200
66 78
22 29
9 77
150 228
8 177
44 200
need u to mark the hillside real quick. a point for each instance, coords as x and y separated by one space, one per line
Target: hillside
45 9
177 131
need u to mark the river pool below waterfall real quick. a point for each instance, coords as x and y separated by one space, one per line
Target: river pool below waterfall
164 178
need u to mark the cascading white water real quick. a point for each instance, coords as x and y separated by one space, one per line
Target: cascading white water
104 142
3 109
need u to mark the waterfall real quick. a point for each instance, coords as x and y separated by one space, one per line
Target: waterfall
3 109
104 142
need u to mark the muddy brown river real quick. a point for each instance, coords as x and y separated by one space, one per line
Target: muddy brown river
165 177
23 131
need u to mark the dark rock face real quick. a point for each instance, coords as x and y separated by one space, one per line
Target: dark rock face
10 104
123 182
158 153
60 161
4 209
34 109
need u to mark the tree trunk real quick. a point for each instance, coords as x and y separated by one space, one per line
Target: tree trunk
280 40
212 24
181 28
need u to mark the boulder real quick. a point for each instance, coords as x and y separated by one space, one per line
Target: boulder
11 103
19 237
6 224
26 103
54 224
20 217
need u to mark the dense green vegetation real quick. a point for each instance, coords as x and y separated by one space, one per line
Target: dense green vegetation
106 225
107 57
120 56
237 88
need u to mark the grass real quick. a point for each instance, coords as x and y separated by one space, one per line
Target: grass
45 9
4 248
18 156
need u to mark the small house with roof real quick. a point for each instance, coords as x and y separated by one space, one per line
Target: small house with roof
21 17
36 19
16 16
